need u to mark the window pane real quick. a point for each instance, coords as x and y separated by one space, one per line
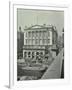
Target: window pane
29 34
48 41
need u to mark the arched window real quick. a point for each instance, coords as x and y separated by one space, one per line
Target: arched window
32 55
41 53
37 53
29 53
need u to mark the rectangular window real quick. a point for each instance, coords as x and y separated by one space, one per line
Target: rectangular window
33 34
40 34
44 34
30 41
37 35
26 41
48 34
26 34
33 41
29 34
48 41
43 41
40 42
37 42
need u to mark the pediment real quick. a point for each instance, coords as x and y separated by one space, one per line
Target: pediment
36 26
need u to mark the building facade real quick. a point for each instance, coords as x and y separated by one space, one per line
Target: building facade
20 43
37 39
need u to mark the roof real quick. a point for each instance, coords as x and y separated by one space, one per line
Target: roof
39 27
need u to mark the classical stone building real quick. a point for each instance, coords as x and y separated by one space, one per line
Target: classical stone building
37 39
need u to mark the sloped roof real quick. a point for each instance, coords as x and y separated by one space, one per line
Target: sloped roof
38 27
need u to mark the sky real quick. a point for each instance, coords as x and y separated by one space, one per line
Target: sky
26 17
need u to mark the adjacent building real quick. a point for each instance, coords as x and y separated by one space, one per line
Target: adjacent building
20 43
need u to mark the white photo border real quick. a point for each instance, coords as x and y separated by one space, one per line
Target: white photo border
13 46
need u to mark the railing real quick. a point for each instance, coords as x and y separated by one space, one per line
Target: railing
54 70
